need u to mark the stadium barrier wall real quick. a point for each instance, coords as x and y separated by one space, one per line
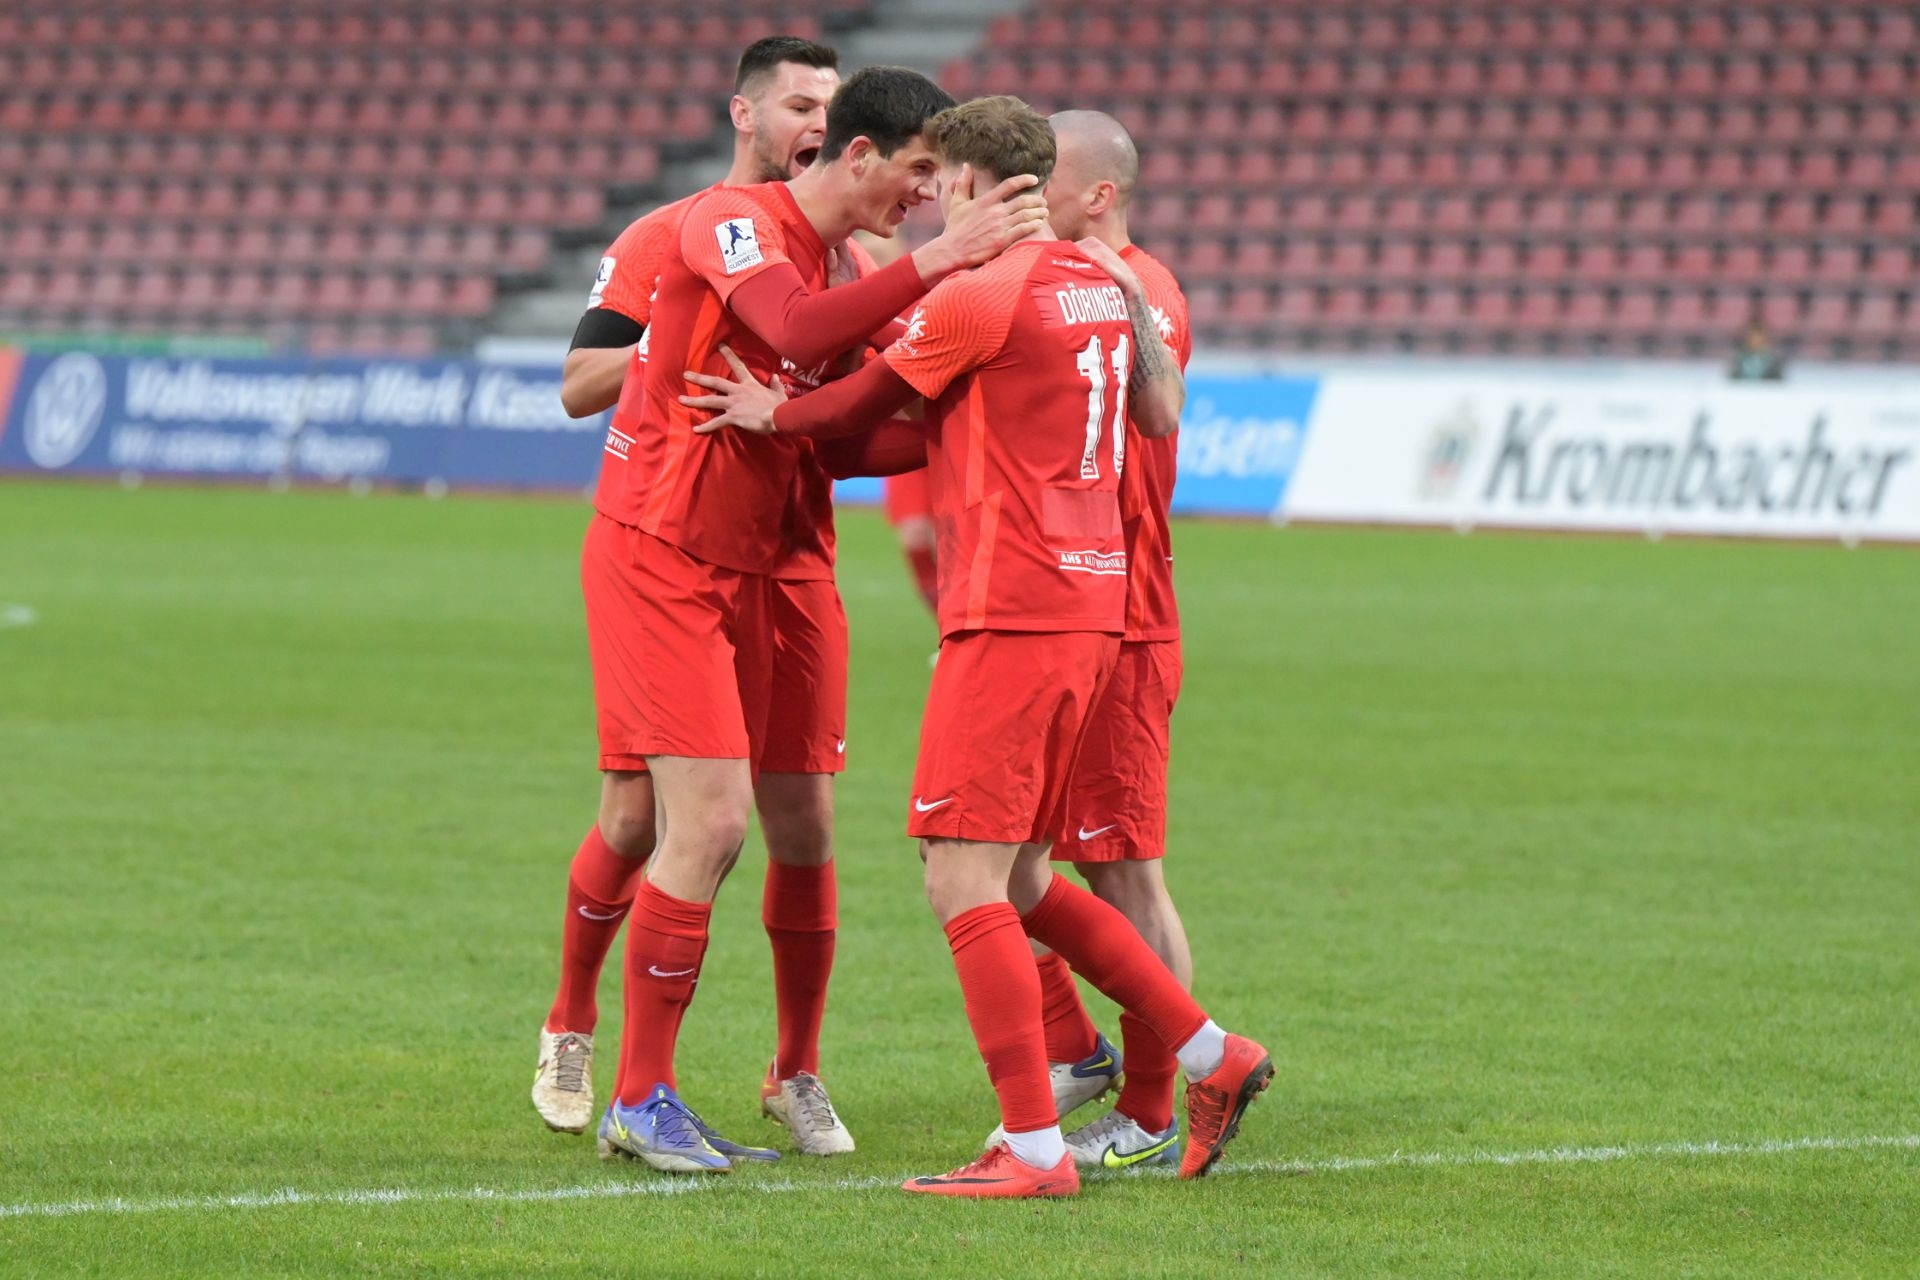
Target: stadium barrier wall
1461 450
1731 459
468 423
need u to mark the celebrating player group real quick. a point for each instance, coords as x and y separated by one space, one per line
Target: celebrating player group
1029 360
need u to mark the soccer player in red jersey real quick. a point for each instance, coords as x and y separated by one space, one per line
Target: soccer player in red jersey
779 112
1024 365
1116 816
782 87
690 531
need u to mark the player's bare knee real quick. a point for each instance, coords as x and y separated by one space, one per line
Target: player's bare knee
1132 888
1032 877
796 817
953 885
721 840
629 834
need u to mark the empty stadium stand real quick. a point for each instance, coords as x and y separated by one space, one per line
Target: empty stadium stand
1539 177
355 175
1533 176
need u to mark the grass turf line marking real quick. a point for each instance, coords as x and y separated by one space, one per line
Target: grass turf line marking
17 615
690 1186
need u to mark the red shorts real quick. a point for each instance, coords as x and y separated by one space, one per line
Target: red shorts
807 723
1117 801
1004 720
682 657
908 495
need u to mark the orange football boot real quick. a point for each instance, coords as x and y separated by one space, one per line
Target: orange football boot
1001 1175
1215 1104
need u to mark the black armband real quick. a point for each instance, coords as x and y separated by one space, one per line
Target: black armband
602 327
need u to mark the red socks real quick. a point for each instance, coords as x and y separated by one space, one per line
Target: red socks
800 908
1002 993
665 942
925 576
1146 1094
1070 1032
600 888
1104 948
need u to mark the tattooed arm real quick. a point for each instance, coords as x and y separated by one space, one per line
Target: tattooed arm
1156 390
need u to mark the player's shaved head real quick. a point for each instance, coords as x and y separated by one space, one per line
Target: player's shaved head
1095 177
1097 148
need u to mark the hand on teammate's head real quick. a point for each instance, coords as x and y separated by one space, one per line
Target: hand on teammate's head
981 227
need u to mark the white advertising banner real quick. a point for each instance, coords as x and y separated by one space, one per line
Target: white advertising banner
1734 460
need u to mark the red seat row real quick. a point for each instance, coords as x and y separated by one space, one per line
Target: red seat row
332 29
1890 268
471 113
1309 211
1393 29
1541 319
651 70
1584 168
1368 121
1291 74
607 162
166 295
409 202
447 250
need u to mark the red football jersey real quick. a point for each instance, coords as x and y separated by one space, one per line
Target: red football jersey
1024 366
809 533
631 267
1146 490
722 498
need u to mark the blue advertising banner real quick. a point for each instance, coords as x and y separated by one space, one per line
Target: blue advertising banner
333 420
1240 439
476 425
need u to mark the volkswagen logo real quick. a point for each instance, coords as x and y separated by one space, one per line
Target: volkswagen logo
65 409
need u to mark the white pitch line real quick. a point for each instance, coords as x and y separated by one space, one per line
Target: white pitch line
18 615
690 1186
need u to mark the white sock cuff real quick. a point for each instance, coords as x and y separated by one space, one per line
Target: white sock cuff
1042 1148
1201 1056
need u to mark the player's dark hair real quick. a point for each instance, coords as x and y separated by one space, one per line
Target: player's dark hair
887 104
765 55
998 136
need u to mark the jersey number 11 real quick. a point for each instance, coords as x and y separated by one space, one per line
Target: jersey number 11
1093 362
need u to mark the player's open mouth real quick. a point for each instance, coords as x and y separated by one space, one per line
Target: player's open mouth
803 159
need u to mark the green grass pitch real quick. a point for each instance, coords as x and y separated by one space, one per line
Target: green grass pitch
1508 847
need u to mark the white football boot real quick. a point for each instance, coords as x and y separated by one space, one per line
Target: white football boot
563 1082
1115 1141
800 1102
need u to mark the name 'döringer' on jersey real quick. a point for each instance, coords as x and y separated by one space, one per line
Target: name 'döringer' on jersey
1091 305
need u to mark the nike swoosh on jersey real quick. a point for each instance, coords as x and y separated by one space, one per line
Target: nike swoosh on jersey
658 972
920 807
1088 835
594 915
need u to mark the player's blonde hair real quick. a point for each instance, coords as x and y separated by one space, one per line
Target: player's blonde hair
998 136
